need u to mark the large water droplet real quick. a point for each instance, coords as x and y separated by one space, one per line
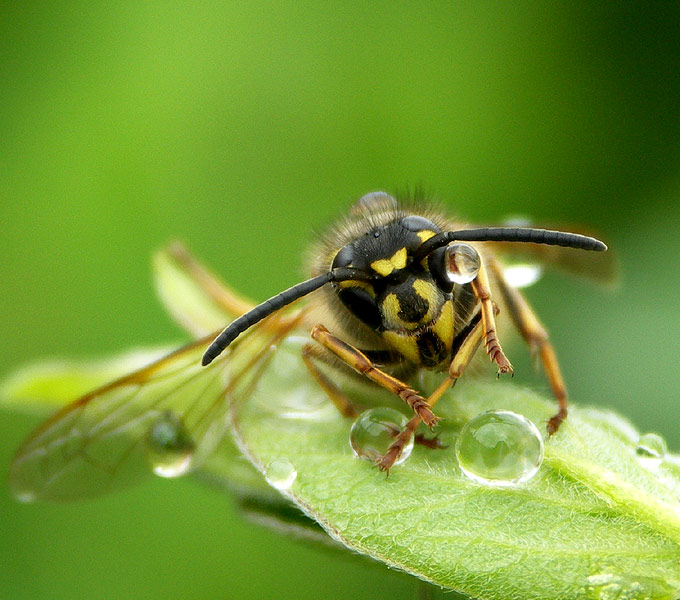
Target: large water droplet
373 432
280 473
500 448
651 449
169 447
461 263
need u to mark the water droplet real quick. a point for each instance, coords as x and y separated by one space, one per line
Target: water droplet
461 262
500 448
374 430
522 274
280 473
169 447
651 449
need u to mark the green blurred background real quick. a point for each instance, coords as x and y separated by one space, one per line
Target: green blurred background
241 128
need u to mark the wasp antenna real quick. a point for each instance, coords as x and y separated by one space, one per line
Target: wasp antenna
512 234
255 315
529 234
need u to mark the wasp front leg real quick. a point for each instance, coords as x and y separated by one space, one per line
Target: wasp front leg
536 337
481 288
362 364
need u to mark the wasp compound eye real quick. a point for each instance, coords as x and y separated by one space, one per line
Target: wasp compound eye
461 263
417 223
344 257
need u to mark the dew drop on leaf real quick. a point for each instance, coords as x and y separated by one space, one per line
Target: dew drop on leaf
374 430
169 447
500 448
280 473
651 449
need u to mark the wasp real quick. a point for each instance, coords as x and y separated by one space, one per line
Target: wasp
395 288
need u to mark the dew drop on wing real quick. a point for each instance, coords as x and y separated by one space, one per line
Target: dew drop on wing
169 447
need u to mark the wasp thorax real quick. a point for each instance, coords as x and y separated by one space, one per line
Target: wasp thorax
461 263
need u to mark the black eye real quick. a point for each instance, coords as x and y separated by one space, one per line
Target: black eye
416 223
344 257
436 262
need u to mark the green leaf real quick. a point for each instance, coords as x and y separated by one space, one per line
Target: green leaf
596 521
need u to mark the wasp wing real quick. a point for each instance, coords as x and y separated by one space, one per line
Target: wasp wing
105 440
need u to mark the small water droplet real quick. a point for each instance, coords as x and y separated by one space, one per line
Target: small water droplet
280 473
651 449
374 430
500 448
169 447
461 262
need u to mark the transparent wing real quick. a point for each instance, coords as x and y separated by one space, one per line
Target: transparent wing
166 418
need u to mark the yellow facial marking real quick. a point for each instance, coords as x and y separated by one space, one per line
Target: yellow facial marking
428 292
443 326
425 235
390 308
364 285
405 344
385 266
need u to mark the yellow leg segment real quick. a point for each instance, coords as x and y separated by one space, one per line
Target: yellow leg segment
481 288
362 364
312 353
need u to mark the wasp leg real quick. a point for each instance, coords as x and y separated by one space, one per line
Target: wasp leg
466 350
312 353
362 364
221 294
481 288
536 337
